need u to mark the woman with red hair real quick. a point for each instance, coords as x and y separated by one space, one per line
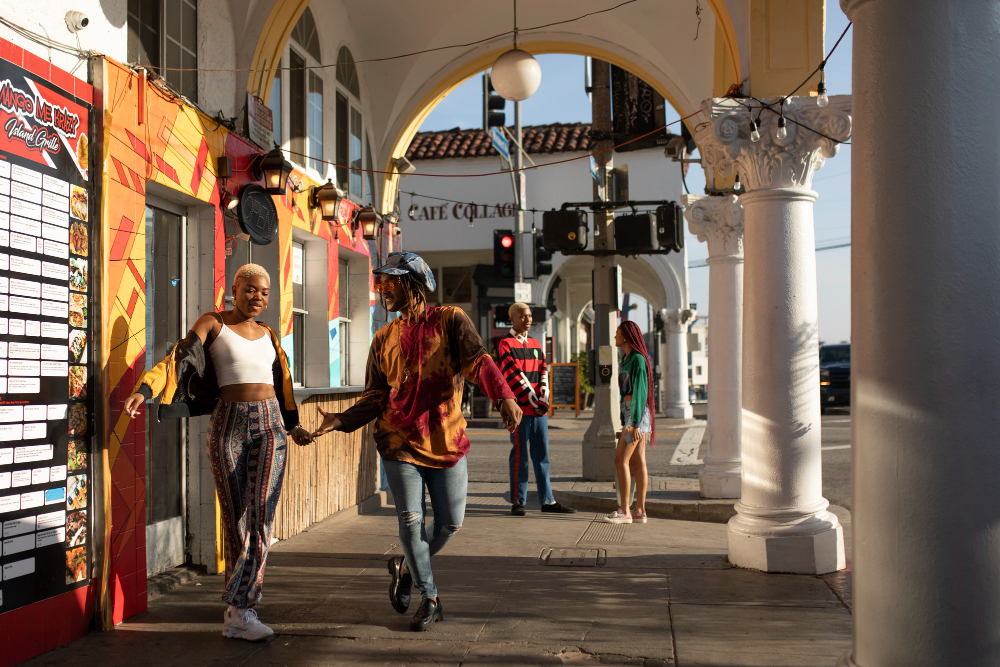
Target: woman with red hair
635 383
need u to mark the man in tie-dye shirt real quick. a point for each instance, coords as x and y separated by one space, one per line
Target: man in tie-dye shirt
413 389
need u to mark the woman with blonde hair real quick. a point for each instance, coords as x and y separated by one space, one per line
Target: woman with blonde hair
233 367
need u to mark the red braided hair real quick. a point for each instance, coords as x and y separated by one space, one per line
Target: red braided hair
632 335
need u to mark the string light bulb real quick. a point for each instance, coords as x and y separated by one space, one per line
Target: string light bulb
822 99
782 131
736 184
412 211
754 131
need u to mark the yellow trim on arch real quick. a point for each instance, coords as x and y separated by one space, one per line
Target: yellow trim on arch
273 38
482 62
724 27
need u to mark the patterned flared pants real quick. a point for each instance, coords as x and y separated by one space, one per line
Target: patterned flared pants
247 445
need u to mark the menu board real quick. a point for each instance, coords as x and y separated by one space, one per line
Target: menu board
45 353
565 386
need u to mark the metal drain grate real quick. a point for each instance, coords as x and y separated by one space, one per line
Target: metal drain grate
560 557
492 501
602 532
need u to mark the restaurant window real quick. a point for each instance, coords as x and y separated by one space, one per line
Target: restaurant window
305 95
350 127
299 313
274 103
163 36
456 284
344 322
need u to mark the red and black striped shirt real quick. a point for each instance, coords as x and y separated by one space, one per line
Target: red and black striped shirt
525 360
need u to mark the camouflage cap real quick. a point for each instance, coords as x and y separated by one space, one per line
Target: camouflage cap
398 263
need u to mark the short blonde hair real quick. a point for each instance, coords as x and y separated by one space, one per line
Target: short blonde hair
516 308
248 271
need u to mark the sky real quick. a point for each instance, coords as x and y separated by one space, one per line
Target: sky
561 99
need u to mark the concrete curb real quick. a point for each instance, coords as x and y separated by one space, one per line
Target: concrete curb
695 509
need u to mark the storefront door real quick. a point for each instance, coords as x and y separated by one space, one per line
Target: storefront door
165 525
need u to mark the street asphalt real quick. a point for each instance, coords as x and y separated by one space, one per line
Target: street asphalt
488 457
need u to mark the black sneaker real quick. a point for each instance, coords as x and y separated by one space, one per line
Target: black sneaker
399 588
517 509
558 509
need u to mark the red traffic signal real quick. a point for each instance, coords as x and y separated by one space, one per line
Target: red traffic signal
506 240
503 254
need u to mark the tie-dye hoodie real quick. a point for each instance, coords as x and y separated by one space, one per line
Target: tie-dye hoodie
413 387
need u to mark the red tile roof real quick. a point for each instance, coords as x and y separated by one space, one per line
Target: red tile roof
457 143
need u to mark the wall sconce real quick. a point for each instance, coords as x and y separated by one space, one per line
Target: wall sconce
369 222
327 199
274 169
403 166
229 201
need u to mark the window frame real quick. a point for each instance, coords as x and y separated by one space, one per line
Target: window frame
353 106
306 164
162 39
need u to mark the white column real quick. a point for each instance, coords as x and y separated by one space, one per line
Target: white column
718 221
924 316
676 397
782 523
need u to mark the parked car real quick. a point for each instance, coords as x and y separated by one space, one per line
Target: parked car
834 375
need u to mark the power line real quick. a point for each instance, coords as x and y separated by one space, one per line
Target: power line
701 264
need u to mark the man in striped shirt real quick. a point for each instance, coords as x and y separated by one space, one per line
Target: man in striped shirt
522 363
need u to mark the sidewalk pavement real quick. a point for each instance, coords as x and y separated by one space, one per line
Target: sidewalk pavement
535 590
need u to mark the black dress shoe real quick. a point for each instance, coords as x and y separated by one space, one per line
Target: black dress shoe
517 509
399 589
558 509
428 613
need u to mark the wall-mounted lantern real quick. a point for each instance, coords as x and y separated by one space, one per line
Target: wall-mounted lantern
274 169
369 221
326 198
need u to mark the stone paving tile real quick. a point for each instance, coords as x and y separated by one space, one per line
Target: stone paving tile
744 587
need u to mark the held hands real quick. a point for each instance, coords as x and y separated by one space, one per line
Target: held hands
330 423
301 436
510 413
133 403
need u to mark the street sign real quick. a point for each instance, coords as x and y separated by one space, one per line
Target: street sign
260 126
500 142
522 292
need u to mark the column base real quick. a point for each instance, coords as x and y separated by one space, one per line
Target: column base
679 411
847 659
720 484
799 545
599 459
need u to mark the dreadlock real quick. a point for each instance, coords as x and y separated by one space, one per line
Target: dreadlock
413 290
632 335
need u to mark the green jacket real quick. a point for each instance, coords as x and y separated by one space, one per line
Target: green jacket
633 372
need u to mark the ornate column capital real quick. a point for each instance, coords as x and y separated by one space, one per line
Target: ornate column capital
723 136
718 221
677 320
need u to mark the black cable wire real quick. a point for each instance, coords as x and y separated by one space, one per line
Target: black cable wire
822 63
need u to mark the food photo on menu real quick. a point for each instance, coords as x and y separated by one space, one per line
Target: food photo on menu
78 310
76 487
77 454
78 382
77 344
78 203
76 565
76 528
78 238
78 419
78 274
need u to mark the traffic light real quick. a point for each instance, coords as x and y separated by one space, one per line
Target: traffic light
670 227
564 230
504 249
493 105
635 233
542 260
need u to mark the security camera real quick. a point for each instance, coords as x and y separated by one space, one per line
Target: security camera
676 149
76 21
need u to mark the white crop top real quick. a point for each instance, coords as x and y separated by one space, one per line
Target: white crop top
241 361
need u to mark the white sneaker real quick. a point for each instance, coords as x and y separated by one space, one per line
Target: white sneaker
244 624
618 517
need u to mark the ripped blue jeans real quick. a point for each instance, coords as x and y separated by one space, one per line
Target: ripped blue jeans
448 488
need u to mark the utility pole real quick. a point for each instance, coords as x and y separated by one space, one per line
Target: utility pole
599 441
519 183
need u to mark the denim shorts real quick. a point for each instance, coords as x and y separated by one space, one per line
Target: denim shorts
645 423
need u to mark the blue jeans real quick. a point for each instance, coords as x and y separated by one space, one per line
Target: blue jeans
533 431
448 488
